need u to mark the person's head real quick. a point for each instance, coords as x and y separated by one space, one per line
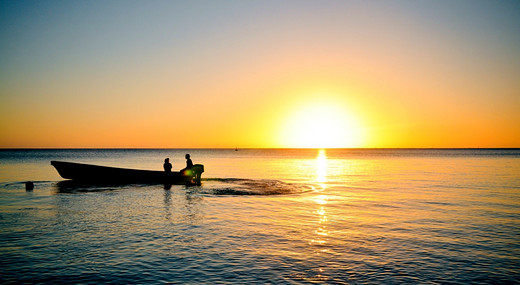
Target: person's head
187 156
166 160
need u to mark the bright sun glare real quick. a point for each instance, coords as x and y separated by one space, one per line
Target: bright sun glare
322 125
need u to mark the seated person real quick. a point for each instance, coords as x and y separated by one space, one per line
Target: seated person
167 165
189 165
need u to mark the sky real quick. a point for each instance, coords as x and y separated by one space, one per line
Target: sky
248 74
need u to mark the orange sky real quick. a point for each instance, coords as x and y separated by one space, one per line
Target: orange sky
259 74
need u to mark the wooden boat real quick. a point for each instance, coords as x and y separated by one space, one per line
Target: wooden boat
103 174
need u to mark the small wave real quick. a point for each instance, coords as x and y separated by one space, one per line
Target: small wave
21 184
237 186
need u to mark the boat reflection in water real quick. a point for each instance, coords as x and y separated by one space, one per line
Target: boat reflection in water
73 186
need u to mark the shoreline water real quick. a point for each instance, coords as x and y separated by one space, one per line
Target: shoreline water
404 216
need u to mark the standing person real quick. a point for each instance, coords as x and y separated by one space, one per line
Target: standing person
167 165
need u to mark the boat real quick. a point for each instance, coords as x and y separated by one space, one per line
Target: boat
88 173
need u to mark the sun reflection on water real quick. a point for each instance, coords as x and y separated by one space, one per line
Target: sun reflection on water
321 231
321 168
320 236
321 199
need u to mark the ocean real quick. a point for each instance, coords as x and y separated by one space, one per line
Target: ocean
266 216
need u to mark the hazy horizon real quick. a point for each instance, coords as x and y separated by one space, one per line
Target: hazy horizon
261 148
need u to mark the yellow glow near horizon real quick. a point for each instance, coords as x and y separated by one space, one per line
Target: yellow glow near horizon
322 124
321 168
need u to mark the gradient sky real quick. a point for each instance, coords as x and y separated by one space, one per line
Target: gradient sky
259 74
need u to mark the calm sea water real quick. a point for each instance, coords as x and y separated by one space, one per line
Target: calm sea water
266 216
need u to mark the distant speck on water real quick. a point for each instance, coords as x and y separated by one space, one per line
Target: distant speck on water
29 186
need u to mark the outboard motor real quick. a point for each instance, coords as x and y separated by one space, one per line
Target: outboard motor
196 172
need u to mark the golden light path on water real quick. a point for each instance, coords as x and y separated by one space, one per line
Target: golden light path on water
321 168
321 232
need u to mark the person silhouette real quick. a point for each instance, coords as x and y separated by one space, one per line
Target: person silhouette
189 165
167 165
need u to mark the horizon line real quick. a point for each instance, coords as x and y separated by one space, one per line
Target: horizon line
251 148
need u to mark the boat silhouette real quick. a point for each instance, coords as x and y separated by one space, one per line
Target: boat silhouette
88 173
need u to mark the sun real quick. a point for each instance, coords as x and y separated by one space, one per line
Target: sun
321 125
